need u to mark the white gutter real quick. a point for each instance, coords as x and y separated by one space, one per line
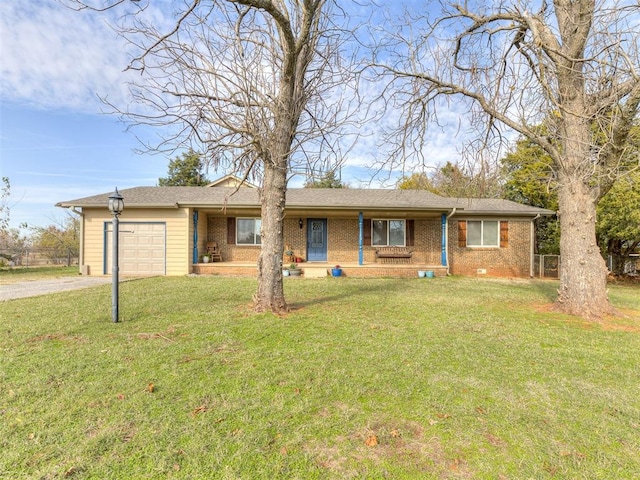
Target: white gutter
78 211
446 232
532 246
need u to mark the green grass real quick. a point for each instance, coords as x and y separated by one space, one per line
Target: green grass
24 274
452 377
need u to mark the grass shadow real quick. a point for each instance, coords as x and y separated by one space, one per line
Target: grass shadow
362 287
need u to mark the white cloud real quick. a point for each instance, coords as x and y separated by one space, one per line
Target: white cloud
55 57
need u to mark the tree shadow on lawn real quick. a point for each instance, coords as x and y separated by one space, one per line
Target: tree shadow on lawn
547 288
625 319
352 292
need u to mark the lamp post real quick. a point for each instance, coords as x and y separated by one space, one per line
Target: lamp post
116 205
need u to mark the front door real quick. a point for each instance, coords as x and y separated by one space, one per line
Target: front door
317 239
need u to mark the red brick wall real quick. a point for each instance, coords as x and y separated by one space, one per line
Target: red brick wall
512 261
217 232
343 242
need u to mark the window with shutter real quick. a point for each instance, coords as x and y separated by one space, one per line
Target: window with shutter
388 233
483 233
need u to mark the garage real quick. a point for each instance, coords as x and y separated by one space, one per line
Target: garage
142 248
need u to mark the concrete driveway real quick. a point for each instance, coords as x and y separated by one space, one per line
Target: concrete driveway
35 288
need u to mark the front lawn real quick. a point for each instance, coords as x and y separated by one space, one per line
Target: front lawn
380 378
23 274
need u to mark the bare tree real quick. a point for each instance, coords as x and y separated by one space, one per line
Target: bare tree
254 85
572 64
5 209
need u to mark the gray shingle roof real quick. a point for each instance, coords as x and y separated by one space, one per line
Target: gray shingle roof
308 198
479 206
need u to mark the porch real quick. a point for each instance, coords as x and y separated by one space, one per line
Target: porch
321 270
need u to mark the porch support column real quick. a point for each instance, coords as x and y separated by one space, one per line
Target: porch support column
195 236
360 238
443 252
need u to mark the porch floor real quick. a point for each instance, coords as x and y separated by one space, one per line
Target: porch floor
321 270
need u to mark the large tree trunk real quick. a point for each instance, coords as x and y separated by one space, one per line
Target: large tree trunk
270 294
583 272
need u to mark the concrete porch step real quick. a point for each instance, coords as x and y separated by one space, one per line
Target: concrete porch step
314 272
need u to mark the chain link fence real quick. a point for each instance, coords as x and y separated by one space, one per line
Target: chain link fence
38 257
631 265
546 266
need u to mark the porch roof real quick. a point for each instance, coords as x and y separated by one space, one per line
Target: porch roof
305 198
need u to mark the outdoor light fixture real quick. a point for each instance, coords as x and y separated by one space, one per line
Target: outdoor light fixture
116 205
300 223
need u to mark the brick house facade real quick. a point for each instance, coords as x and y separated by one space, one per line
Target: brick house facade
322 226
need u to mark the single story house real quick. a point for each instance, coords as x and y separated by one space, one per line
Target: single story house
369 232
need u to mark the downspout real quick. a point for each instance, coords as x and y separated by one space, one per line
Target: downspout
360 238
80 213
195 236
445 238
532 247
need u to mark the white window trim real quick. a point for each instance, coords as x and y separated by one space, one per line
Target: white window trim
254 232
482 245
389 220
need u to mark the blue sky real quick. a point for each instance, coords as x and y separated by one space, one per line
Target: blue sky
52 155
56 143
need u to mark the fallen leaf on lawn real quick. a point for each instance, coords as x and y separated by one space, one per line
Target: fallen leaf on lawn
70 472
395 433
198 410
120 396
495 440
371 441
151 387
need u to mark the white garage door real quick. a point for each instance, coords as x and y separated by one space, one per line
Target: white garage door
142 249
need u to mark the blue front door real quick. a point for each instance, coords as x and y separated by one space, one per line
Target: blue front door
317 239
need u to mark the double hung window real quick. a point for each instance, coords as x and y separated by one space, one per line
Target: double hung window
388 233
248 231
483 233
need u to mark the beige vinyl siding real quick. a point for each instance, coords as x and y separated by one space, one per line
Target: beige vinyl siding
178 255
202 233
